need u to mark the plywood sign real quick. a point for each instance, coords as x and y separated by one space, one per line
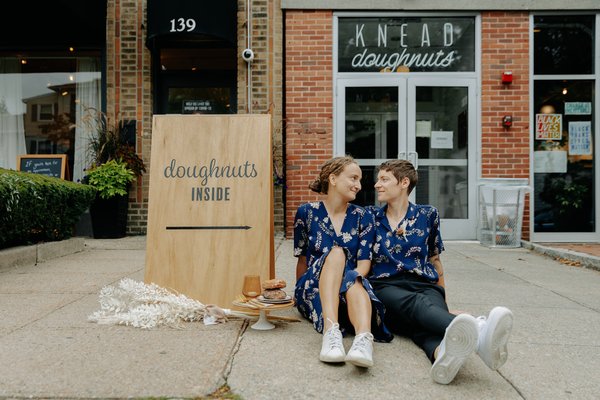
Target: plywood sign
210 218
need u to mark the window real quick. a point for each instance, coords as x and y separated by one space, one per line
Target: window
44 100
564 44
564 121
197 81
45 112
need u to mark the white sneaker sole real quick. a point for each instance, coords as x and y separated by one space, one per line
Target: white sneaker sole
460 342
359 361
336 358
494 349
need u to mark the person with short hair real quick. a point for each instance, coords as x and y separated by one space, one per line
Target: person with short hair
332 240
408 277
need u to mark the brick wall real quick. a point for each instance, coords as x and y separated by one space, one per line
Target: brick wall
129 93
129 89
309 103
264 77
505 47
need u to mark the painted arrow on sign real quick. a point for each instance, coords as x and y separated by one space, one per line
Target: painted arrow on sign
207 227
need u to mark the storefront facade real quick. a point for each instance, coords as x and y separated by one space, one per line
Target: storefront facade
456 91
464 91
130 60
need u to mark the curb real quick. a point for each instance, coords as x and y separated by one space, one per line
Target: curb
586 260
22 256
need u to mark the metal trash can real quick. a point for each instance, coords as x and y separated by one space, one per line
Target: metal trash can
501 204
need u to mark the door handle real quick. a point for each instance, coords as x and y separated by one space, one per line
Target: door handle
413 157
402 155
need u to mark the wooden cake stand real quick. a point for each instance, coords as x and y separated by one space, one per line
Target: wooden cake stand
262 310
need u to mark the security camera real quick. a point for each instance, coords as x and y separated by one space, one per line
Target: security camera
248 55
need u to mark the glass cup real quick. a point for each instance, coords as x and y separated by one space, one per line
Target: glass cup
251 286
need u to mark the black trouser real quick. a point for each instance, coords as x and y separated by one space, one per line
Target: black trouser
414 308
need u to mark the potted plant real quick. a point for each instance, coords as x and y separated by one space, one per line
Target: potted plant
115 164
109 209
567 198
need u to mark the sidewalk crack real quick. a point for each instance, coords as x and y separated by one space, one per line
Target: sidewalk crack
235 349
512 384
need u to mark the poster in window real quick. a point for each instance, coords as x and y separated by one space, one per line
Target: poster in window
580 138
550 162
548 126
578 108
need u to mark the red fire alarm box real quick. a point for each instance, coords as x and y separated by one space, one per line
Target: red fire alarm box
507 77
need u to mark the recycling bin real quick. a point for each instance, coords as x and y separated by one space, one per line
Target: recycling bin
501 204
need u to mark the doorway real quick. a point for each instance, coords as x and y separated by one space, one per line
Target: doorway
196 80
428 121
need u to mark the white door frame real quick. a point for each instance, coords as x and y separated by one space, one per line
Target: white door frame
565 236
452 229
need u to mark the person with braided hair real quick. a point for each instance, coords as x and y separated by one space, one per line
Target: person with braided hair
332 240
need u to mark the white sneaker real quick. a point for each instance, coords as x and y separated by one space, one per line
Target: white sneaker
460 340
361 352
332 349
494 332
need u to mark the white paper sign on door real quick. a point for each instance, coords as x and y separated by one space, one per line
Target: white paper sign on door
442 139
550 162
423 128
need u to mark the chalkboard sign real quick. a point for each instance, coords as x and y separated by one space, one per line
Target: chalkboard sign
53 165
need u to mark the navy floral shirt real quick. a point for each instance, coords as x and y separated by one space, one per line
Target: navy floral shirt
407 247
314 235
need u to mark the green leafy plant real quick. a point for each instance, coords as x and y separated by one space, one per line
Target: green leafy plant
567 195
108 142
111 178
36 208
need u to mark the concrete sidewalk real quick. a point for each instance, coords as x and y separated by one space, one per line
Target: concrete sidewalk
48 349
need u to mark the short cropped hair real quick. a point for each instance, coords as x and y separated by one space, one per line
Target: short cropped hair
401 169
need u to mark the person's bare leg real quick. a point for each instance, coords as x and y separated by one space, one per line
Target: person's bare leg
359 311
329 285
359 308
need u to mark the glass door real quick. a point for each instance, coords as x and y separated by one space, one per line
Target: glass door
441 142
371 116
430 122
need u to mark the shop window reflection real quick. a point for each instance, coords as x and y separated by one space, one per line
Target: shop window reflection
564 163
43 101
564 44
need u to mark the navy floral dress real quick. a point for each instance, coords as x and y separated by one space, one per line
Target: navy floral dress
314 236
408 247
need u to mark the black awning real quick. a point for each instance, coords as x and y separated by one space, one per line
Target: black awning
171 21
54 24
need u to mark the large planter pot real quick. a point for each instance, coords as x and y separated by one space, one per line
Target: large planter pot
109 217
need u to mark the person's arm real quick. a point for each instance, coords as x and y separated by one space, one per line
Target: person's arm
437 263
300 267
366 239
363 267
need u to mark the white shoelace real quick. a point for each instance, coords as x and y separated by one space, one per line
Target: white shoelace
362 340
335 335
